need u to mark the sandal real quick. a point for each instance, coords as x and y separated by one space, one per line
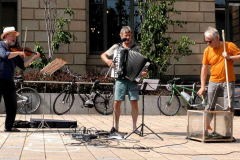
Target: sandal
137 131
12 130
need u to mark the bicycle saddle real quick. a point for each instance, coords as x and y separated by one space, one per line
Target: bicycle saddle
18 77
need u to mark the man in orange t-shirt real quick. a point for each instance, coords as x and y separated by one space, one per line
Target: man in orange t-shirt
214 56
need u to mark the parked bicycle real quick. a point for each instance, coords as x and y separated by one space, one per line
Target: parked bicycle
101 100
28 99
169 103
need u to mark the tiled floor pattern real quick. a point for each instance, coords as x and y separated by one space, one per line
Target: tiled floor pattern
53 144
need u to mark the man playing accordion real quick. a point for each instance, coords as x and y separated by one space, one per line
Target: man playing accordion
122 84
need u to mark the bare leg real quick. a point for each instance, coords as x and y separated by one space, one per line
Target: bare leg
117 105
134 104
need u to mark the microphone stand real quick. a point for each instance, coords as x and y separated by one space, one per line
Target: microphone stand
113 130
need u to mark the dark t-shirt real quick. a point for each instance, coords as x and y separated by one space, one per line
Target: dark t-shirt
7 66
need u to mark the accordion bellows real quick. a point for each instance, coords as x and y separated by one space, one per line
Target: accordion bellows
129 64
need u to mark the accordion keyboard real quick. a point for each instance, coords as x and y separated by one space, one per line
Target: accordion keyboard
116 57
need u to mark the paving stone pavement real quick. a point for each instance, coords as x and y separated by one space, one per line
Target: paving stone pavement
55 144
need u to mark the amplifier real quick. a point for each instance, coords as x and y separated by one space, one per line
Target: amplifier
53 123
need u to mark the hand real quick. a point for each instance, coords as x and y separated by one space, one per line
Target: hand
201 91
22 54
109 63
225 55
37 55
144 73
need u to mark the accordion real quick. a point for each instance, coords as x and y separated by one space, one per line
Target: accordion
128 64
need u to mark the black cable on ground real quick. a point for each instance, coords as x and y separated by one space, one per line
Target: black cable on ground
104 141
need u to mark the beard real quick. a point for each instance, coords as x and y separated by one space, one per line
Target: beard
11 43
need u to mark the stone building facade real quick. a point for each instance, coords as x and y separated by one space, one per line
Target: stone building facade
31 15
199 15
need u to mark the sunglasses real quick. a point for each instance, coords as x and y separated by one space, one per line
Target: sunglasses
209 42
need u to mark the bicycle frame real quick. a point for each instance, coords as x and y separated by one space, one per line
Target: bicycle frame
97 98
192 96
74 85
87 97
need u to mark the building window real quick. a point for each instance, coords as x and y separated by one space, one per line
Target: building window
106 18
227 18
8 13
234 22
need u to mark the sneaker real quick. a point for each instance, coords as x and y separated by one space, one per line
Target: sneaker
215 135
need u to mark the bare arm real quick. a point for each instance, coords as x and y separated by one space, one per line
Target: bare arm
104 57
203 79
235 53
14 54
31 59
234 58
228 57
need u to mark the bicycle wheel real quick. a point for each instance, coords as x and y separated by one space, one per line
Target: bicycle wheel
103 103
28 100
168 104
63 102
198 101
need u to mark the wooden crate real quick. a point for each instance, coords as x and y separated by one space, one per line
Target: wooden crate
207 126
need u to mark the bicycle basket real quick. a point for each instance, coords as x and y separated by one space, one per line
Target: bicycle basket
169 87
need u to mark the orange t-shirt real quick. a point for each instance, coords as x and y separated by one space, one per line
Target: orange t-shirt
214 58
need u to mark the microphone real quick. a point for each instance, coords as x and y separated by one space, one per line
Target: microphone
123 40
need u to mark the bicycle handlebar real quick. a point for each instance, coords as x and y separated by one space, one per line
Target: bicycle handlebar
95 83
173 80
18 79
73 75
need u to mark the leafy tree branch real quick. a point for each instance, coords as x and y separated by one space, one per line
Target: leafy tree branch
154 42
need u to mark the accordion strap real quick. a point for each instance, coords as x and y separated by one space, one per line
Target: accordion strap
133 44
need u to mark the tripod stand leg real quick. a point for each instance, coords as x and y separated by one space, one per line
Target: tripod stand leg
152 131
133 131
43 122
142 125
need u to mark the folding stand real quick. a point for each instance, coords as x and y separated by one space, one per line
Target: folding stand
147 85
48 70
41 125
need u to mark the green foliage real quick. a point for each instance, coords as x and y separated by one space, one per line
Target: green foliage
61 35
69 11
42 61
154 43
